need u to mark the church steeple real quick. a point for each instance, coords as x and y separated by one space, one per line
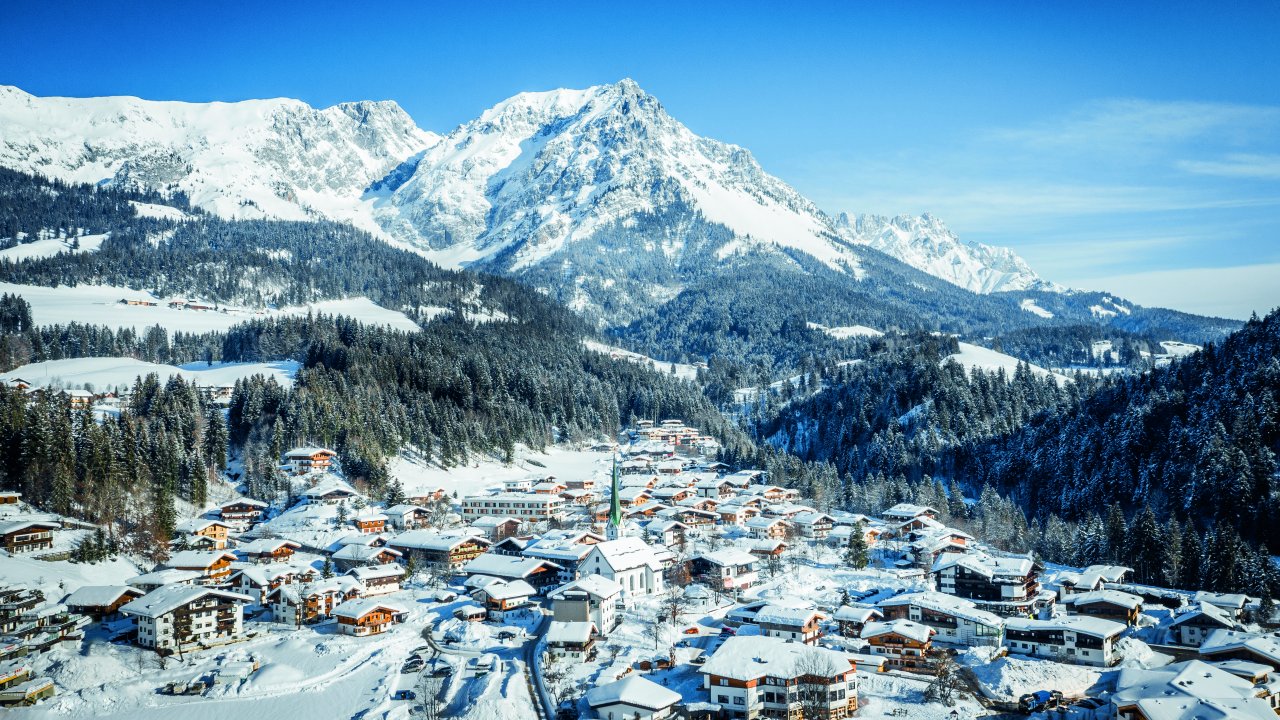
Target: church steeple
613 530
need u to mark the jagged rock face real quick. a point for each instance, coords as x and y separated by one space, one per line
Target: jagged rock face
926 244
257 158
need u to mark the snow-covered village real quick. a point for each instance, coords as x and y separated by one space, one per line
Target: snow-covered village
633 578
639 361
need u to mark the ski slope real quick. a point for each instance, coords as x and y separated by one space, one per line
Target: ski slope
980 358
101 373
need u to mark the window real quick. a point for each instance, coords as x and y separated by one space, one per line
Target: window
739 700
722 699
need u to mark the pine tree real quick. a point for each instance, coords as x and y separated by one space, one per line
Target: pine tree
855 556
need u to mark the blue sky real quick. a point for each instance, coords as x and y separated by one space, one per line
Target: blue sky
1133 147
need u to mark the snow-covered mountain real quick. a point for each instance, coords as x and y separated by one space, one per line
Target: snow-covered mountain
257 158
543 171
569 185
925 243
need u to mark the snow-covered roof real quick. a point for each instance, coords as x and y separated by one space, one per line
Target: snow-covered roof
492 521
167 576
1212 612
505 566
166 599
754 656
359 607
729 557
948 604
627 553
263 575
20 525
906 511
1096 627
198 558
987 565
635 691
1234 601
363 553
1110 597
266 546
504 590
195 525
905 628
99 595
1222 641
1095 574
434 540
1191 690
856 613
308 451
597 586
243 501
366 573
760 522
788 616
570 632
811 517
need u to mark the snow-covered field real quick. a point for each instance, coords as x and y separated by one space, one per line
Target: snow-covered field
101 373
681 370
50 247
974 356
844 332
100 305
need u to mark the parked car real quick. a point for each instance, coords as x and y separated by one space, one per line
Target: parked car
413 665
405 695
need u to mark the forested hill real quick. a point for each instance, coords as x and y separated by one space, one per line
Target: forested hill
1196 441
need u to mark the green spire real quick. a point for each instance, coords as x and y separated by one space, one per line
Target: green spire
615 503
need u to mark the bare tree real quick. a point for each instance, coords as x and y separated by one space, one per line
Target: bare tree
429 689
946 685
814 675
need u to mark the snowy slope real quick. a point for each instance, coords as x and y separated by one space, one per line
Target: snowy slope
257 158
49 247
100 305
974 356
928 245
108 372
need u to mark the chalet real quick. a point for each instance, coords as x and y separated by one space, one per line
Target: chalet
242 512
329 492
1109 604
1236 645
303 460
802 625
268 550
1094 577
424 498
496 528
593 598
630 497
1233 603
904 644
450 551
671 495
768 548
634 697
101 602
21 536
527 507
510 546
501 597
735 514
540 574
179 617
1074 639
1004 584
956 621
303 604
370 521
10 498
629 562
1191 628
850 619
470 613
718 488
927 545
78 399
547 487
407 517
580 498
727 569
671 533
363 616
758 677
17 687
257 581
691 517
906 511
767 527
586 483
566 548
215 530
518 485
574 641
377 579
813 524
213 565
1191 689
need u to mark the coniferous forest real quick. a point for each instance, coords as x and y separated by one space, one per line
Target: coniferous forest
1170 470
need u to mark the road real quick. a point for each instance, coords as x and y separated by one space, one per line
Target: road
533 666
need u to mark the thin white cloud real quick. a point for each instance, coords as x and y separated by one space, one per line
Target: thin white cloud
1239 165
1232 292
